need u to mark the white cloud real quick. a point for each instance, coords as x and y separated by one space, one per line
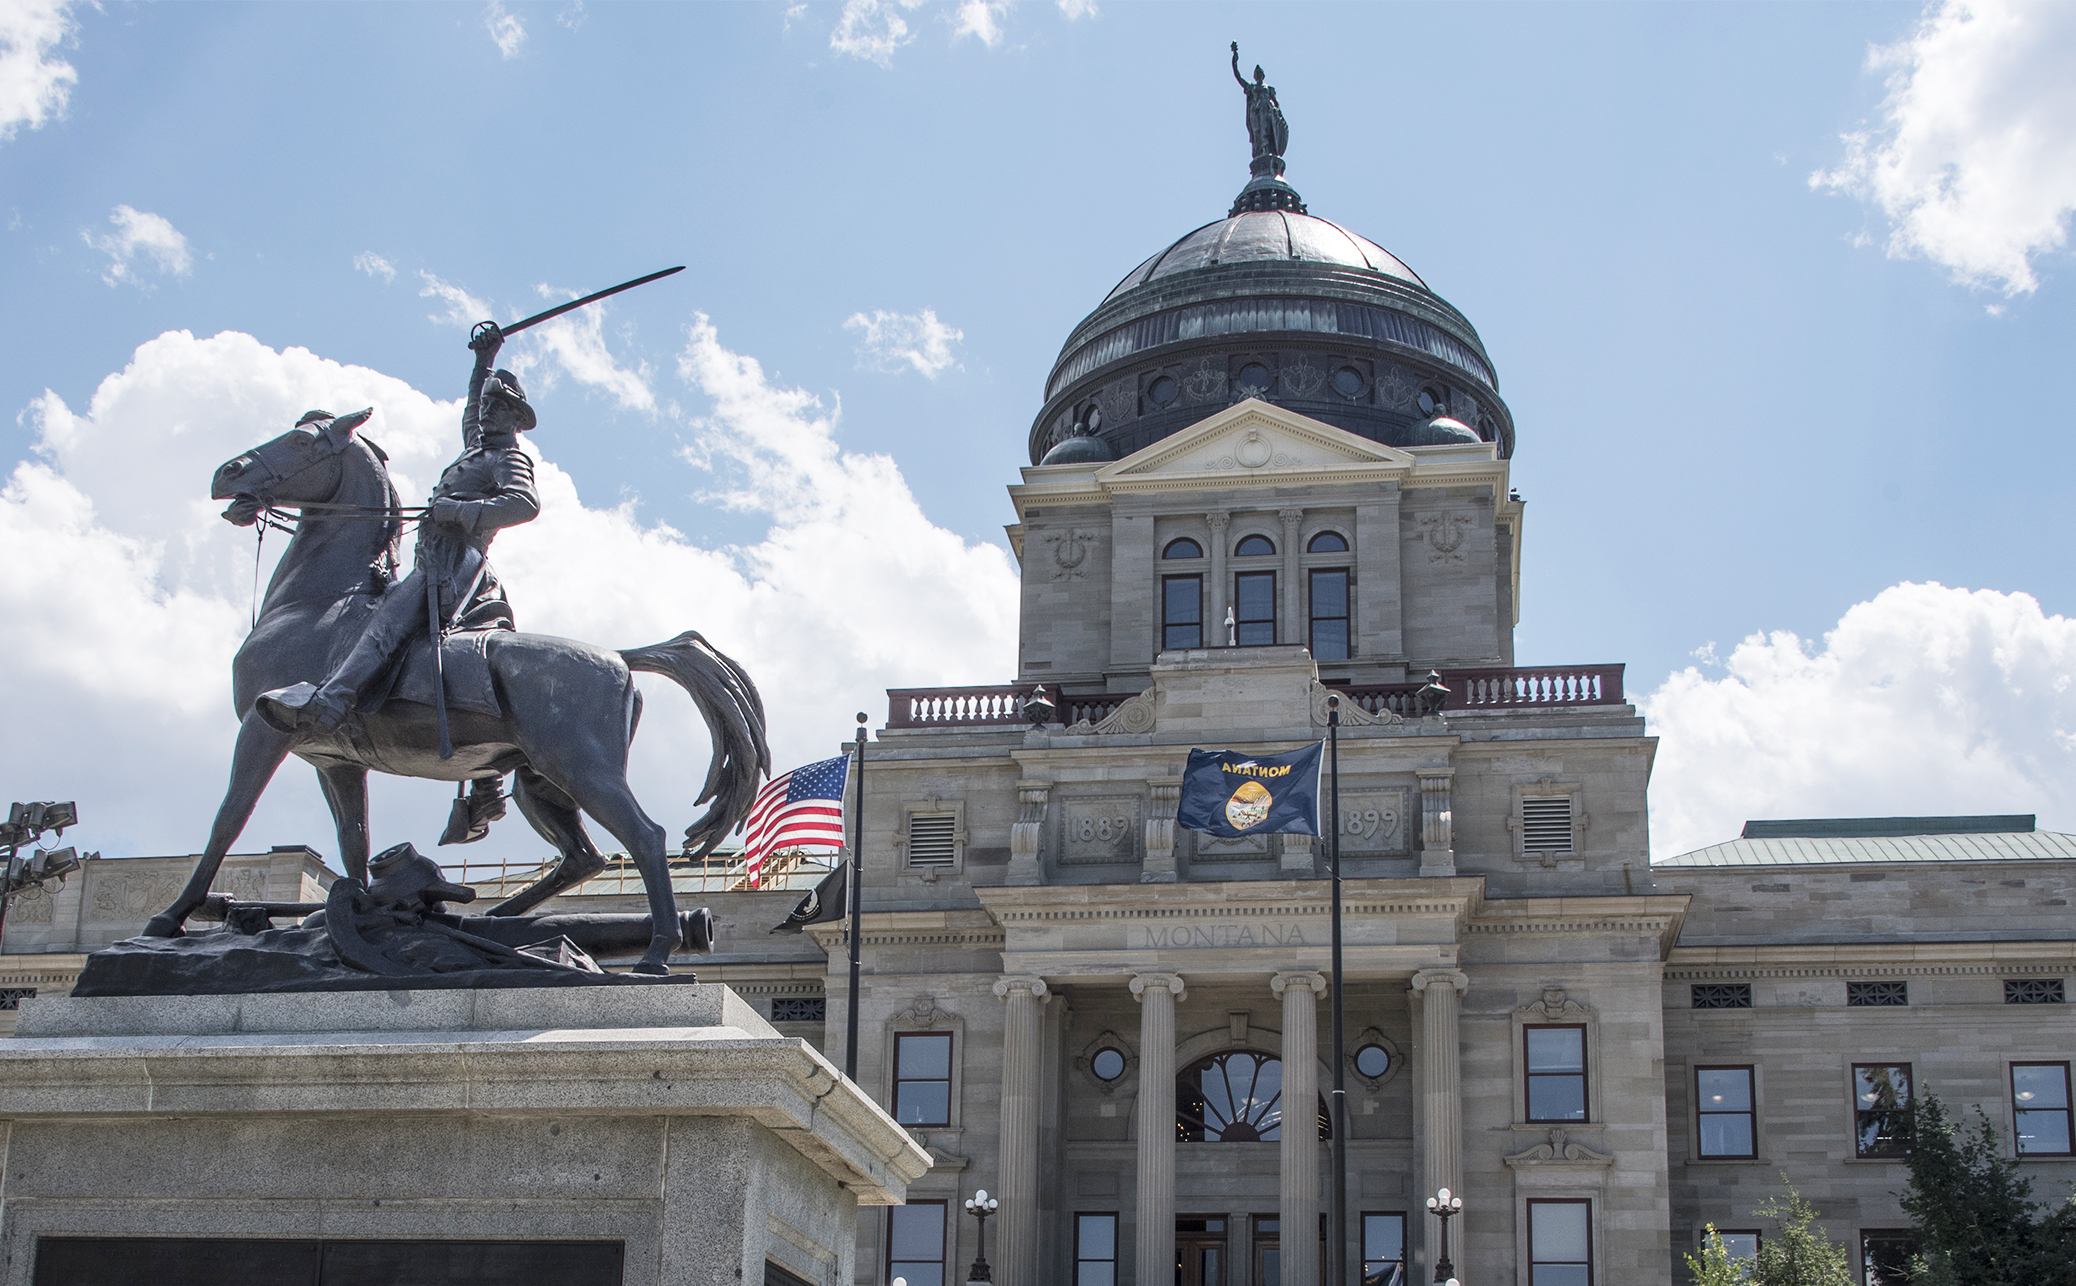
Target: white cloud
1923 701
1072 9
505 28
896 342
34 87
463 308
139 594
571 15
575 343
982 19
872 29
375 266
140 235
1975 160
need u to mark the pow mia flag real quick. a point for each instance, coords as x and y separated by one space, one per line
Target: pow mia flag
824 903
1228 793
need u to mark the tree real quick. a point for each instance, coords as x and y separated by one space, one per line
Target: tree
1973 1212
1802 1254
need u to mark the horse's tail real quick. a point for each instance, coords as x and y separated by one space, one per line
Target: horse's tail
735 718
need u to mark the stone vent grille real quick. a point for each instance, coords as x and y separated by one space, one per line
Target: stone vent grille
1877 993
12 997
799 1009
1546 825
2033 991
1722 995
931 840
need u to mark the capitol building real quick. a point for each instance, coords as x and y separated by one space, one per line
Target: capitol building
1272 465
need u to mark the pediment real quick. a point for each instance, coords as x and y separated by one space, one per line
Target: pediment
1249 439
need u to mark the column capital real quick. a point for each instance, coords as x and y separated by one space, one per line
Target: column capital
1004 987
1455 979
1281 982
1290 517
1218 518
1168 982
1434 774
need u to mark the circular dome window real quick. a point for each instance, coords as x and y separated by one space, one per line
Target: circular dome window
1161 392
1429 402
1253 378
1348 382
1373 1061
1108 1064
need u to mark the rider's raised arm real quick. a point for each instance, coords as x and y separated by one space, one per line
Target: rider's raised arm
486 341
1236 66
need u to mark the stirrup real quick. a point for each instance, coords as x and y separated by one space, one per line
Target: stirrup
283 708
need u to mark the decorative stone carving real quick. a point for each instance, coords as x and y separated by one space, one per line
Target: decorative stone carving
1560 1151
1253 451
1027 831
1303 379
1437 821
1222 848
1160 832
1445 535
245 884
1134 714
1554 1007
1069 553
1352 715
130 895
1204 383
1118 402
34 906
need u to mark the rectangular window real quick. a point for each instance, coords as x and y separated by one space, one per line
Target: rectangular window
1742 1244
2040 1107
1330 615
1885 1256
1200 1245
1877 993
933 840
922 1079
1546 824
1182 612
1721 995
915 1243
2033 991
1268 1250
1254 609
1723 1096
1881 1101
1095 1250
1383 1249
1556 1073
1560 1243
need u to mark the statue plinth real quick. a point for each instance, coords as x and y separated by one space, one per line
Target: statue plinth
670 1130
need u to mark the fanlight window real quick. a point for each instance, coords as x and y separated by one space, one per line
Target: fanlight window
1183 548
1255 547
1235 1097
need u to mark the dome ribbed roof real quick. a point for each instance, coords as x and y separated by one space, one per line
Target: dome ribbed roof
1266 236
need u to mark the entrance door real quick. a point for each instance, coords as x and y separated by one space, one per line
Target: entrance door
1268 1259
1200 1251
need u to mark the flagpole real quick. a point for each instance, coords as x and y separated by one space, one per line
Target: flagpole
1340 1099
857 900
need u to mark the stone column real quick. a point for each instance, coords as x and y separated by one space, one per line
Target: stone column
1300 1206
1437 824
1441 1091
1157 993
1214 622
1023 1060
1292 609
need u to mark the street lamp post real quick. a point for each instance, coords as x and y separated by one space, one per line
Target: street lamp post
980 1207
1444 1207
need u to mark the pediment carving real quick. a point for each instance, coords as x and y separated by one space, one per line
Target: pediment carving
1256 437
1560 1151
1554 1007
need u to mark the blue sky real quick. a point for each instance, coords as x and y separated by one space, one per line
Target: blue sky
1747 402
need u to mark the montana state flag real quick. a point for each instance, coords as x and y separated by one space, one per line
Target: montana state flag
1227 793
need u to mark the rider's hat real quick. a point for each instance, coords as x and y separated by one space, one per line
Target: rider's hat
504 386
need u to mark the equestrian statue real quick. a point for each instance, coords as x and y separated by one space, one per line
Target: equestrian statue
353 670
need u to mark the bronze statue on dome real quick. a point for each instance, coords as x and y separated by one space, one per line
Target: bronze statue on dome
1266 128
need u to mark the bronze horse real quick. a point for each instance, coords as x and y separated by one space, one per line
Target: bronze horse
569 709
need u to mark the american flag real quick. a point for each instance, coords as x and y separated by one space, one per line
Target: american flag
798 809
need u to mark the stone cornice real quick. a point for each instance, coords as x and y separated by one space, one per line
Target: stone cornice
1656 915
1246 899
1871 960
913 929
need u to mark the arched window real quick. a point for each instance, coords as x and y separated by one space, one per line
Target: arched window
1251 546
1184 548
1327 542
1235 1097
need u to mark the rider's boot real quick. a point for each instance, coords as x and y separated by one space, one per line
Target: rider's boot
300 708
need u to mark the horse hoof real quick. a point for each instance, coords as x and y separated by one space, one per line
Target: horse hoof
653 968
163 925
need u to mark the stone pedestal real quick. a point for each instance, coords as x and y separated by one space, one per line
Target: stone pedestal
671 1121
